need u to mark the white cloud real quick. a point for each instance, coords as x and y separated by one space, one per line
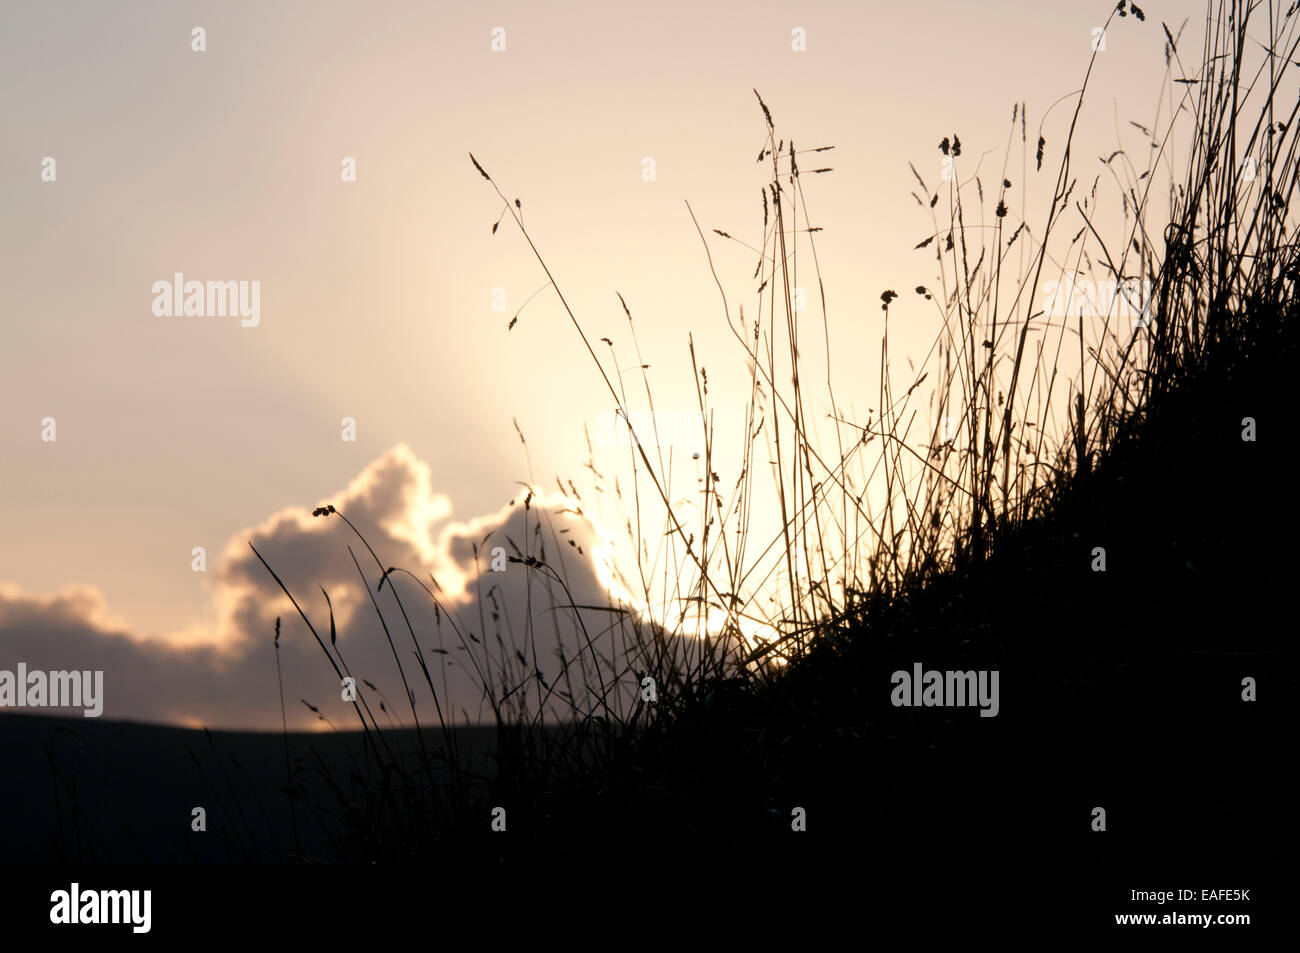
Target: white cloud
223 674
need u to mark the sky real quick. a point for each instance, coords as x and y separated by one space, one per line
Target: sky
377 292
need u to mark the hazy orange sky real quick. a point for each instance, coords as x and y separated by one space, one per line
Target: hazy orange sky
376 295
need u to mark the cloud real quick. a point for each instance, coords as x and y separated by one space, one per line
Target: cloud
471 607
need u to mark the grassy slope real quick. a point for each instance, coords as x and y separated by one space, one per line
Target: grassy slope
1119 689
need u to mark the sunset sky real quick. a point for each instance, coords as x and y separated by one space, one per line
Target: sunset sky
376 295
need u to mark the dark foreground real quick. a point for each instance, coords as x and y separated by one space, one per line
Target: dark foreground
1124 690
83 790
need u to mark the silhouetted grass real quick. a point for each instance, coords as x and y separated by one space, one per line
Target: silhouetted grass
918 538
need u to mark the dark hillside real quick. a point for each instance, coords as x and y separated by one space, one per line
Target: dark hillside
1120 689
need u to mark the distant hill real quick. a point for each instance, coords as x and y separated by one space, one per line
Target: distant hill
137 784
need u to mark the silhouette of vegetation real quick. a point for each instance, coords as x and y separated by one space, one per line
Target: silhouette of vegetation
955 525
